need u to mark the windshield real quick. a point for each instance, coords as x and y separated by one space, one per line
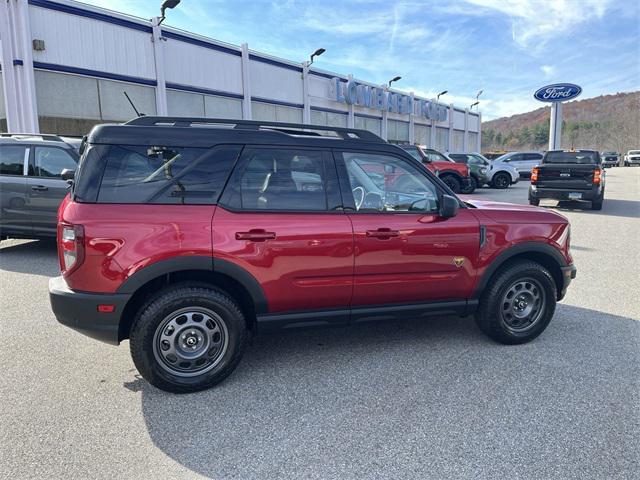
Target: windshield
634 152
571 157
502 158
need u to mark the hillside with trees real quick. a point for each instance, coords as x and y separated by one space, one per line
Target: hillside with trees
608 122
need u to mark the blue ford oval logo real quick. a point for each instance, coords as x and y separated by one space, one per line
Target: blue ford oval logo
558 92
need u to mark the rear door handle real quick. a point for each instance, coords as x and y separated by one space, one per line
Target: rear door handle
39 188
382 233
257 235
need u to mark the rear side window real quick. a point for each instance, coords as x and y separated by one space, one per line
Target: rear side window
282 180
165 175
12 160
49 162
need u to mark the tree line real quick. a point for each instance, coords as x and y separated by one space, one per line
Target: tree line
619 135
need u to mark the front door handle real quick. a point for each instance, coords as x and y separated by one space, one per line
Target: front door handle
382 233
39 188
256 235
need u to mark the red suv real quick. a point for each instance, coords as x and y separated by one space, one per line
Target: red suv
186 238
455 175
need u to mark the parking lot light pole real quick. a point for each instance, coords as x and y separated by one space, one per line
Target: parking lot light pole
306 110
444 92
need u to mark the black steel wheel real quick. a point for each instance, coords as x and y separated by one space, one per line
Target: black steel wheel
188 337
517 303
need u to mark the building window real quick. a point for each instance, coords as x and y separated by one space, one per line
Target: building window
185 104
372 124
422 135
442 139
328 119
275 113
73 104
473 142
458 141
397 131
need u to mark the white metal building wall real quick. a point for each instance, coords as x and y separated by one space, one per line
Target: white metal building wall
93 55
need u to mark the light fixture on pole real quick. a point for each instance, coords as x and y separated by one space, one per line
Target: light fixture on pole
317 53
394 79
475 104
167 4
478 94
444 92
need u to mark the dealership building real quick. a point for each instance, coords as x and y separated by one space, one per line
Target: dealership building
66 66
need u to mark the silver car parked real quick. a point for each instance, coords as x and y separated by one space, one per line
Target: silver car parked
523 162
31 183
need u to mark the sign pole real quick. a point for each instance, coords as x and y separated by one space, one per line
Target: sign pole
556 94
555 126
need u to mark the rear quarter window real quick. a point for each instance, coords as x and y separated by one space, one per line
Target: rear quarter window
164 175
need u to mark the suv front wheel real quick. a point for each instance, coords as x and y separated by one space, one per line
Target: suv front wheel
518 304
188 338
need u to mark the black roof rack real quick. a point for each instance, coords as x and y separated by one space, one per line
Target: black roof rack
44 136
287 128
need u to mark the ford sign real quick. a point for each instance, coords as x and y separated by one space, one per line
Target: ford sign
558 92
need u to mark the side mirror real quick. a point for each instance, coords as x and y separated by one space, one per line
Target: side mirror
448 206
68 174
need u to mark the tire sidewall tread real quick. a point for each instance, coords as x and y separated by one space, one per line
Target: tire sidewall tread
488 316
155 311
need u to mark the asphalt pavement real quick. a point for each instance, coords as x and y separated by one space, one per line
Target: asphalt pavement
430 399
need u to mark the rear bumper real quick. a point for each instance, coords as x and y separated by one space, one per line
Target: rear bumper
563 193
79 311
568 274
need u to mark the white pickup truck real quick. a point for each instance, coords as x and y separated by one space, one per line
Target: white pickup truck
632 158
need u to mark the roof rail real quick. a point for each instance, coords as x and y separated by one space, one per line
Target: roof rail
287 128
44 136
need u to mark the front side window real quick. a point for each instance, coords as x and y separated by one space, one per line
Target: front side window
413 151
49 162
434 156
11 159
281 180
160 174
383 183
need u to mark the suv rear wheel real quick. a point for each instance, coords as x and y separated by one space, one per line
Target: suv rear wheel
188 338
519 303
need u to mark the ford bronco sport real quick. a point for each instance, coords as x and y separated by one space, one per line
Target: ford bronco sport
187 235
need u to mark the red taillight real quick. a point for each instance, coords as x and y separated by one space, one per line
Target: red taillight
70 246
597 173
534 175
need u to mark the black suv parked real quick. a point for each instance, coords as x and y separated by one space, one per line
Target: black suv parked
31 183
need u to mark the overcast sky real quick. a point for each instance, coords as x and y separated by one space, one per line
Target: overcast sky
506 48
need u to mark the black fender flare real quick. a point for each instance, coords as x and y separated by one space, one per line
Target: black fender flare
202 263
518 249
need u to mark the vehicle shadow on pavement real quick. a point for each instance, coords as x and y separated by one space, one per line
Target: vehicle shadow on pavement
37 257
611 207
416 399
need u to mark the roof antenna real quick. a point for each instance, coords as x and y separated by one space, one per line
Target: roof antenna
132 105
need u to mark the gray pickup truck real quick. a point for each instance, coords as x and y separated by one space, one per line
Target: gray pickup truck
569 175
31 183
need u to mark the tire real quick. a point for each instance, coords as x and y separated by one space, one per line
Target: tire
214 327
501 180
473 184
452 182
597 204
498 314
534 201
